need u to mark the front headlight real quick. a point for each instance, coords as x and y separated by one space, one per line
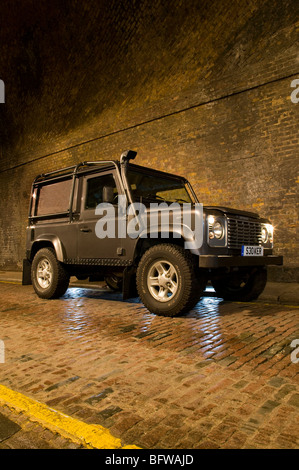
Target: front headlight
264 235
216 228
267 233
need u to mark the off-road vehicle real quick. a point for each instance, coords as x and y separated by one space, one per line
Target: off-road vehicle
76 228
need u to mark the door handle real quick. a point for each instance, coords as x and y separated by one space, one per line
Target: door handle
85 229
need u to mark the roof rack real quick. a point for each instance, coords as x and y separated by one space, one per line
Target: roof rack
71 170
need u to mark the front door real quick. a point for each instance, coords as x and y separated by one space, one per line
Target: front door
96 238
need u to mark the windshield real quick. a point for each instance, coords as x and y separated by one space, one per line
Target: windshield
146 188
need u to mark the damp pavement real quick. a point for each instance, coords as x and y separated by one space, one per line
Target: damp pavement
223 376
19 432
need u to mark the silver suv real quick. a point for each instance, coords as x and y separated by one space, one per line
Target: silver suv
105 220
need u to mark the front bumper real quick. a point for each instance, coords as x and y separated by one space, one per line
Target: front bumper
221 261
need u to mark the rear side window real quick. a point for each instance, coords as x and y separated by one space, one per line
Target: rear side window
54 198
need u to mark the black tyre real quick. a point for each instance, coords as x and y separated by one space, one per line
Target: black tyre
243 285
50 279
168 281
114 282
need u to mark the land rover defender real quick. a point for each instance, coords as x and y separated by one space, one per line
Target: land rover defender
105 220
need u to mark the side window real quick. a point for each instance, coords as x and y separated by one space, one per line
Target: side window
54 198
94 190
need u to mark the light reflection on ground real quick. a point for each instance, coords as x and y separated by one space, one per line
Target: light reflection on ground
87 310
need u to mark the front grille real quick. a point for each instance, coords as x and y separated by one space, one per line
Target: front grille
243 232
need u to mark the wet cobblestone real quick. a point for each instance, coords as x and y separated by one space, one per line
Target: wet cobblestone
28 434
219 377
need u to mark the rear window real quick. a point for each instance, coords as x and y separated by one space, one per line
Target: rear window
54 197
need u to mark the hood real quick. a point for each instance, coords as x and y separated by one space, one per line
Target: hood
228 210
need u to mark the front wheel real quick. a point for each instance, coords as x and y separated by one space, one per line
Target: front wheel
244 285
168 281
50 279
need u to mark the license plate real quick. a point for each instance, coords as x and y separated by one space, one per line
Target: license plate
252 251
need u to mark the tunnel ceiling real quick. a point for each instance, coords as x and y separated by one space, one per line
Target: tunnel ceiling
104 65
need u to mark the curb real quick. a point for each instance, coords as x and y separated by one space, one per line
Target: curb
91 436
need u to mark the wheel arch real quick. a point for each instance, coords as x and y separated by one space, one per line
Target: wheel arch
144 242
51 241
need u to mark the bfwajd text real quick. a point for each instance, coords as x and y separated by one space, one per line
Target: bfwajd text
157 459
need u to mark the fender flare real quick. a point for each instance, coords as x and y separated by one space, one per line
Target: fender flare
175 234
55 241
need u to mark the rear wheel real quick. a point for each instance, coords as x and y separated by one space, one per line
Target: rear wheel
168 281
49 277
114 282
243 285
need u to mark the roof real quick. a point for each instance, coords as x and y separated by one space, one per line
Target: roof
83 167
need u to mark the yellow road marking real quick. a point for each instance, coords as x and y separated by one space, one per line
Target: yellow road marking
90 435
11 282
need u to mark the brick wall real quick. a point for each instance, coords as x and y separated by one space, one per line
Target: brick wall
199 88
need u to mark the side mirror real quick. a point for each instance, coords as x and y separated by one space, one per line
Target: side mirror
108 194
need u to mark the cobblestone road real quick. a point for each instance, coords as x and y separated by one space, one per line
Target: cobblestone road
18 432
219 377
